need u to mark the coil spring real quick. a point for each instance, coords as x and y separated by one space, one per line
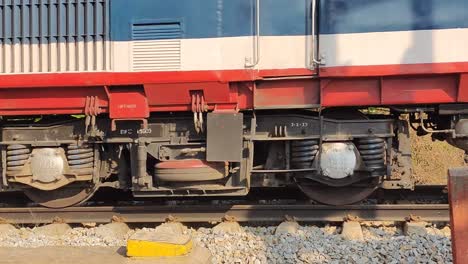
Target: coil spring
372 152
17 156
80 158
303 153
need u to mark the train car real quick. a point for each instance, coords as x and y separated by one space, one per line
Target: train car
195 98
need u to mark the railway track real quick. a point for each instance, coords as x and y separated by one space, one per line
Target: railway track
214 213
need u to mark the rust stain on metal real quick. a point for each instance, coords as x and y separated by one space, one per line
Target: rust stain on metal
58 220
172 219
413 218
352 218
458 195
229 218
117 219
289 218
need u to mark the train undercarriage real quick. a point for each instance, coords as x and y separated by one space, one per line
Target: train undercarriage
334 155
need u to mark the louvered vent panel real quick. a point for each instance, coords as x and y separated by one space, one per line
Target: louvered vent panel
156 47
39 36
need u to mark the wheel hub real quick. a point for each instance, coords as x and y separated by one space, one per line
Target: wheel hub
338 160
47 164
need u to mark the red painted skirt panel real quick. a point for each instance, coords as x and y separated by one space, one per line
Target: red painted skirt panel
287 94
135 95
59 100
397 69
393 90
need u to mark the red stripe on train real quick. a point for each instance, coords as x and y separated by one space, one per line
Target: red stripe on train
86 79
137 78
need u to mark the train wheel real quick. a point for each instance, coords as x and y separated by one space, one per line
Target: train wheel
339 195
61 198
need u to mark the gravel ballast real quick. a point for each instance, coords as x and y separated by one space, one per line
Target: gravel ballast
307 244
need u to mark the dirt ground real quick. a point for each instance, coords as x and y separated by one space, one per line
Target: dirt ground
92 255
431 159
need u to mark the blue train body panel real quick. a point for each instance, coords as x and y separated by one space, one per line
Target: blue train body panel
216 35
233 18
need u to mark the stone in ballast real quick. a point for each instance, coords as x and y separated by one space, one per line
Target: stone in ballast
352 231
172 227
7 228
417 228
287 227
53 230
229 227
115 230
446 231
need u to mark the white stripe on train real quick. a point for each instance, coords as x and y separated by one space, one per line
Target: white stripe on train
359 49
276 52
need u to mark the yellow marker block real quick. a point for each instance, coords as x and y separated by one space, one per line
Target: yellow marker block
158 244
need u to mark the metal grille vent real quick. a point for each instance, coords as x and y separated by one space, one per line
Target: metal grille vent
156 47
53 36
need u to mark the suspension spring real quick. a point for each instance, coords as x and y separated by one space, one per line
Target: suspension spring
81 158
17 156
372 151
303 153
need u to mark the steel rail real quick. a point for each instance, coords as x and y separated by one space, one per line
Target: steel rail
214 213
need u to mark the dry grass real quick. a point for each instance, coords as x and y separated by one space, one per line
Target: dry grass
431 160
